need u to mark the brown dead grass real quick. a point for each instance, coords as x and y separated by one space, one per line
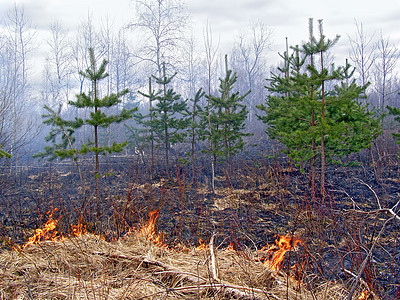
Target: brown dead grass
88 267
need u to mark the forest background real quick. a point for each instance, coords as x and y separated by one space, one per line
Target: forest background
38 70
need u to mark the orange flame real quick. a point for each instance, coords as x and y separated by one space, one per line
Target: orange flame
277 252
180 248
48 231
231 247
364 295
202 246
78 230
149 230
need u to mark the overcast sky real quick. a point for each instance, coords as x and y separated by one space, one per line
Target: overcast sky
287 18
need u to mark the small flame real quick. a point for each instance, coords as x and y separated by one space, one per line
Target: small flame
180 248
231 247
276 253
78 230
149 230
364 295
48 231
202 246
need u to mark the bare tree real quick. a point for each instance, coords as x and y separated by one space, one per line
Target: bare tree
250 51
161 24
362 54
7 78
19 44
384 67
210 52
87 37
121 69
123 63
106 36
191 70
58 71
116 49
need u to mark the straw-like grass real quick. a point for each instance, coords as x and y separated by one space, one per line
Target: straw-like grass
88 267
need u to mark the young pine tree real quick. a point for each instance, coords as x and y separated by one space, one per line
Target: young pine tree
146 133
97 119
313 122
168 115
195 127
395 111
225 116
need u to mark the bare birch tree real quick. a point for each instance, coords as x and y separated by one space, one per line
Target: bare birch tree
19 45
384 67
210 53
58 70
363 54
250 51
160 25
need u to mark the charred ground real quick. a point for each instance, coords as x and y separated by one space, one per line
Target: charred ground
253 203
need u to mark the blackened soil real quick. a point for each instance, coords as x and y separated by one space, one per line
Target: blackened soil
252 204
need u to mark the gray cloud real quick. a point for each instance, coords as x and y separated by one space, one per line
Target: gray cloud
287 18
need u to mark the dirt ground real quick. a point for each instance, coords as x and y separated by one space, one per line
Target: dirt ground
353 230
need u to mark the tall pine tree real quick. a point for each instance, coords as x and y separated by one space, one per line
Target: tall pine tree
313 122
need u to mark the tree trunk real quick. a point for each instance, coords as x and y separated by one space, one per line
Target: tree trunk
96 145
193 141
151 128
166 127
323 192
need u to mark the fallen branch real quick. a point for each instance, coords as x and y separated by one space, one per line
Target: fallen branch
228 289
362 281
238 292
372 190
364 263
212 254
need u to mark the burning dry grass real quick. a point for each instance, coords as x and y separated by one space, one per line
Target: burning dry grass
88 267
81 265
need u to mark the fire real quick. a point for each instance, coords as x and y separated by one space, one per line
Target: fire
78 230
149 230
202 246
276 253
364 295
180 248
231 247
48 231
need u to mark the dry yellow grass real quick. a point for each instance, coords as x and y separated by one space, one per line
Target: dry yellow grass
88 267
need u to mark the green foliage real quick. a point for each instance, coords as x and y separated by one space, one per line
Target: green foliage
310 119
170 113
141 134
4 153
226 115
60 135
65 129
394 111
167 120
196 127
